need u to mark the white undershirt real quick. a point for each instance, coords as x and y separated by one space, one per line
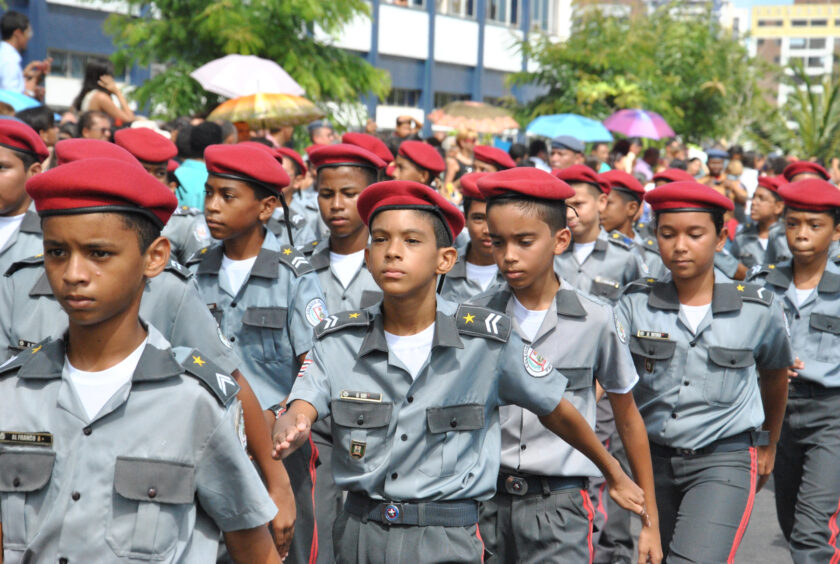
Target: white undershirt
236 271
583 250
412 350
484 275
694 315
95 389
345 267
529 320
803 294
8 227
763 242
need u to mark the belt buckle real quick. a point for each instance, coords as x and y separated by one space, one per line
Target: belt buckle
392 513
686 452
516 486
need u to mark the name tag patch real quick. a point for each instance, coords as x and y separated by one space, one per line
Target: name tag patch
652 335
25 344
26 439
357 449
361 396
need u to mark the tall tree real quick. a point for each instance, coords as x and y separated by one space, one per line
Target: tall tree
814 106
184 34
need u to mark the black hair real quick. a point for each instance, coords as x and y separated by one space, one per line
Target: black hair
28 159
11 22
86 120
627 196
717 217
371 174
147 230
202 136
749 158
592 162
465 205
735 150
833 213
94 70
68 128
552 212
39 118
442 237
517 151
536 147
777 165
678 164
621 147
260 140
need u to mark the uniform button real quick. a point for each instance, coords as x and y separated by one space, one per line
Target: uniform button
232 304
732 362
75 496
410 399
152 493
693 344
523 447
453 423
63 561
87 431
404 437
673 416
16 482
360 420
797 316
232 339
343 298
685 383
394 476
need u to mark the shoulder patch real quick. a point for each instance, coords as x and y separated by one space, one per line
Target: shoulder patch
223 385
759 270
197 256
178 268
309 248
621 240
36 260
11 366
297 220
294 259
483 322
337 321
640 285
754 293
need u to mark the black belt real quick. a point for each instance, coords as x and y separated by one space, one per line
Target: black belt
741 441
805 389
542 485
424 514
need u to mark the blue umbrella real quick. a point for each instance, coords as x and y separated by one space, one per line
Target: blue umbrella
579 127
17 100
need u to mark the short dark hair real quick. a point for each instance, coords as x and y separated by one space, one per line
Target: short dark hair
86 120
202 136
147 230
517 151
371 175
536 147
465 205
678 164
39 118
552 212
717 218
442 237
749 158
11 22
627 196
833 213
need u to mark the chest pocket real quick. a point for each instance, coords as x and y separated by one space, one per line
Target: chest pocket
360 431
452 439
23 476
263 334
727 375
580 378
151 501
828 328
606 288
653 364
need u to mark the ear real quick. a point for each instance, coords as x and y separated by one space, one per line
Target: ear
156 257
562 238
721 242
836 235
602 202
267 207
425 175
633 210
778 208
34 169
446 259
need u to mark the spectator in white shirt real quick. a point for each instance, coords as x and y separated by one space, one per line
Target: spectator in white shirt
16 33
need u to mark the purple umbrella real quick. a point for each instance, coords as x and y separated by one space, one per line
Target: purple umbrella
639 123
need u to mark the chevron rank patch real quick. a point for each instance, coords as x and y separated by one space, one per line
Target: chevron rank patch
535 364
295 259
341 320
483 322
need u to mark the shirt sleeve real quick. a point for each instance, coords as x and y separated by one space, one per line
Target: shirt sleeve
774 350
528 379
11 75
306 310
312 384
6 301
615 370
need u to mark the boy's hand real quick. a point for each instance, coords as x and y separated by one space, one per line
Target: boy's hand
766 462
792 371
283 523
289 435
628 494
650 545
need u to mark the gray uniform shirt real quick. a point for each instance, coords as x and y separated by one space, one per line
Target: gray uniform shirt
29 313
27 241
302 230
609 267
694 389
126 486
187 232
270 319
647 248
747 248
433 438
360 293
458 288
814 324
581 338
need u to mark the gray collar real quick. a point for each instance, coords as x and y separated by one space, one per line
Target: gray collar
446 334
566 299
725 297
320 259
782 277
459 269
31 223
600 244
266 265
41 287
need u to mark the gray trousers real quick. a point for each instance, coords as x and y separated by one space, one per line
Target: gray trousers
329 499
300 466
356 542
704 504
536 528
807 478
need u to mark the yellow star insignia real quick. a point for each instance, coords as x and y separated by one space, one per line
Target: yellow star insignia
199 361
651 280
287 251
36 349
354 315
39 255
772 266
469 318
650 241
740 287
615 235
204 250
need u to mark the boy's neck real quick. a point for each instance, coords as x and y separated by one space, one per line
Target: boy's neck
246 244
764 226
478 259
696 291
408 315
98 347
539 295
627 229
808 271
589 236
20 210
353 243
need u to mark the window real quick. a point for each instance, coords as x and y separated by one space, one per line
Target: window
817 43
406 3
770 23
799 23
760 42
837 23
815 62
403 97
798 43
443 98
503 11
542 16
777 59
819 23
460 8
69 64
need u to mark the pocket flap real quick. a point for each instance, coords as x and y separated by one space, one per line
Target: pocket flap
268 317
731 358
603 287
361 415
825 323
25 471
657 349
156 481
468 417
579 378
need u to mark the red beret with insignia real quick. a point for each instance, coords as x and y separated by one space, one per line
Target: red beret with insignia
101 185
370 142
70 150
292 154
800 167
344 154
673 175
493 156
469 185
581 173
247 163
772 183
423 155
686 196
620 180
14 134
526 181
811 194
404 194
145 144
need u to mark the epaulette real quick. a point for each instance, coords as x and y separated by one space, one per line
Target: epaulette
342 320
186 210
836 258
223 385
178 268
621 240
754 293
197 256
650 244
483 322
36 260
309 248
759 270
639 285
13 364
295 259
297 220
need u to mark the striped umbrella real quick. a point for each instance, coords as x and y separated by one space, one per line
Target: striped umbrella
264 110
480 117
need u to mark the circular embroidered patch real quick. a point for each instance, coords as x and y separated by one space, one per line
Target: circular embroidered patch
316 311
619 328
535 364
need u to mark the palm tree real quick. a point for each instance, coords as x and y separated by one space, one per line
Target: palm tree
814 106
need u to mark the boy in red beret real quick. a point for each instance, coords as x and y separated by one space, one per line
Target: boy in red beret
491 159
763 240
304 200
301 226
802 170
93 424
414 386
712 358
806 479
418 162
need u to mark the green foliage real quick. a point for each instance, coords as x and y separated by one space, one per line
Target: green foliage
689 70
185 34
814 105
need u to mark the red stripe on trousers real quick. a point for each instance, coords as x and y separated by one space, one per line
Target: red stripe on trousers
745 518
313 459
832 541
481 540
590 511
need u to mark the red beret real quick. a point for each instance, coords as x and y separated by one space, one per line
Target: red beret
292 154
404 194
14 134
811 194
799 167
389 170
526 181
423 155
370 142
493 156
687 196
344 154
145 144
70 150
172 165
101 185
469 185
624 182
245 162
581 173
772 183
673 175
